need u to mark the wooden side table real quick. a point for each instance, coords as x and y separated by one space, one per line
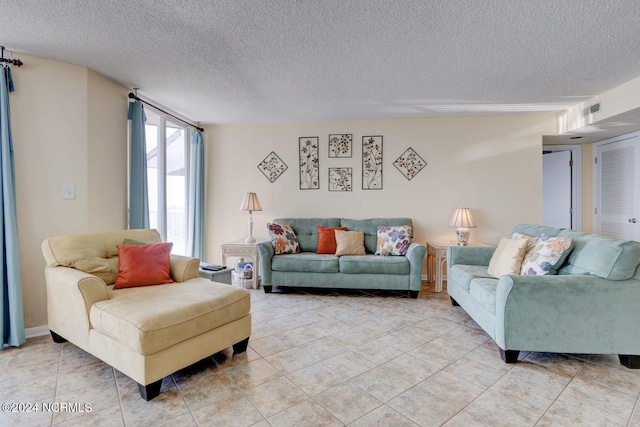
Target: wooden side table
436 257
240 249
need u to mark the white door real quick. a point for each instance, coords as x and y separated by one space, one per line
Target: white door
617 183
556 189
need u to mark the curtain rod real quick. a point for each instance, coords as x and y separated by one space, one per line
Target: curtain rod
15 62
133 96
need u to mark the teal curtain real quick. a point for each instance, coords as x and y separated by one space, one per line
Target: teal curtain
138 189
196 197
12 309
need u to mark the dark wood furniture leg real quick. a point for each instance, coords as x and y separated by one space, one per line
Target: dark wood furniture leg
241 347
509 356
267 289
630 361
57 338
150 391
413 294
454 302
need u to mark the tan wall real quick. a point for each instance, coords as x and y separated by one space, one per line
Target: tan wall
491 164
68 128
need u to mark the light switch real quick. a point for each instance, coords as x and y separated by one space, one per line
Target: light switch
68 192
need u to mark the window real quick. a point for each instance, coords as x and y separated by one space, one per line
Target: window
167 176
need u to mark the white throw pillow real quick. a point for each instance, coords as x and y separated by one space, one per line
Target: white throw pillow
507 259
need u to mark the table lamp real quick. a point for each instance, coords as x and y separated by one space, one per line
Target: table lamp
463 220
250 203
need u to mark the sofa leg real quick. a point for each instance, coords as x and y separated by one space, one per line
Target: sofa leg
150 391
629 361
509 356
241 347
57 338
413 294
267 289
454 302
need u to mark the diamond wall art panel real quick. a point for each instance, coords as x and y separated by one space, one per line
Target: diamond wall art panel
409 163
272 167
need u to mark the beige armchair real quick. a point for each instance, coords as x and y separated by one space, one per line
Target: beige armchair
146 332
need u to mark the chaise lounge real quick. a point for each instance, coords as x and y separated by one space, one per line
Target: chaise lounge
146 332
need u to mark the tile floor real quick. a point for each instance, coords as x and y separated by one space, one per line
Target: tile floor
335 359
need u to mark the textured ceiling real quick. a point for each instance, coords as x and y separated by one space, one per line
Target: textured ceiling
252 61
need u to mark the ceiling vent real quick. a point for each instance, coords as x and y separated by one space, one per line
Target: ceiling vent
590 110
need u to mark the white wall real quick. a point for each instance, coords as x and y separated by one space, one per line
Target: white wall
69 127
491 164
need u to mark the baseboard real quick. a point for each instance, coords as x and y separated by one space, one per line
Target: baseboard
425 278
37 331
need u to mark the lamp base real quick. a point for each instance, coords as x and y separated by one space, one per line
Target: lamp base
250 239
463 236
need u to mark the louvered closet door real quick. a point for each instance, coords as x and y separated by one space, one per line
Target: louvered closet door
618 188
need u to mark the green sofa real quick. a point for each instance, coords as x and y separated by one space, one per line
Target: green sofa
592 306
308 269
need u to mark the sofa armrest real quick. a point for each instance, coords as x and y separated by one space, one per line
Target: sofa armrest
265 252
469 255
568 314
184 268
70 295
415 254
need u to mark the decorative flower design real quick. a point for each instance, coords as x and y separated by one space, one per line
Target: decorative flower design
309 163
272 167
340 145
409 163
372 162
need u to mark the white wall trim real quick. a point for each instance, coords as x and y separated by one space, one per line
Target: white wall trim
37 331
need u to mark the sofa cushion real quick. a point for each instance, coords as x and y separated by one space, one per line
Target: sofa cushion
484 291
305 262
604 257
393 240
372 264
150 319
349 243
536 230
143 265
462 274
370 228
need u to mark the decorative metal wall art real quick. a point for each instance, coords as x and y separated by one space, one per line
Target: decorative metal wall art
372 162
272 167
309 163
340 145
409 163
340 179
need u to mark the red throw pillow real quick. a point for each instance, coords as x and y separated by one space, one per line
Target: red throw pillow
143 265
327 239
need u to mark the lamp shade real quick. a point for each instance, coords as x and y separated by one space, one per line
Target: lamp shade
250 203
462 218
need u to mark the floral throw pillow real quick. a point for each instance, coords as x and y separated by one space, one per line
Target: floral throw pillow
545 255
393 240
284 239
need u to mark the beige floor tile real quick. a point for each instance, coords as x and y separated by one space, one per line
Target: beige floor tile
28 416
253 373
475 372
102 396
275 396
451 389
84 376
105 417
475 335
316 379
422 407
531 395
551 379
168 405
382 383
568 411
291 360
324 348
204 388
624 380
601 397
378 351
270 345
347 402
307 413
412 369
235 411
383 416
561 362
464 419
499 411
349 364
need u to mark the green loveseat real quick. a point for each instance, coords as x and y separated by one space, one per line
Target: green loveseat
592 306
308 269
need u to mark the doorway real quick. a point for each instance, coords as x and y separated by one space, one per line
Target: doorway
562 186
